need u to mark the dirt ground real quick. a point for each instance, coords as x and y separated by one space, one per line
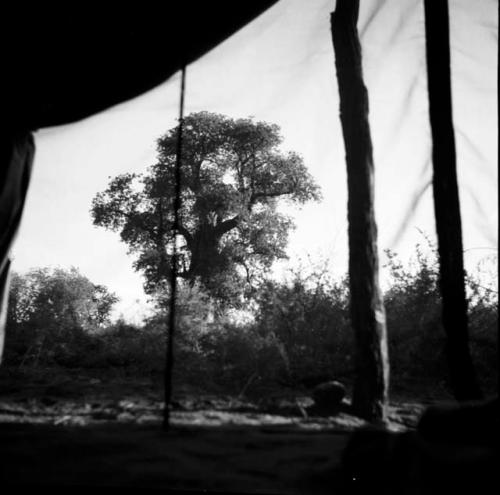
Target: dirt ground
239 459
83 431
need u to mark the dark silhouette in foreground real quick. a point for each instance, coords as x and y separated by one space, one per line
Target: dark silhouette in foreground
453 450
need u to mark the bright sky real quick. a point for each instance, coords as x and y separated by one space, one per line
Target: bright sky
280 69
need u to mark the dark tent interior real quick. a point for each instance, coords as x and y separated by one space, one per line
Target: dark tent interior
88 59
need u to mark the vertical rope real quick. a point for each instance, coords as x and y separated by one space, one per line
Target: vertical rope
169 358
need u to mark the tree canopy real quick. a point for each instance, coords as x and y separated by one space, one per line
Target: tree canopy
58 300
233 177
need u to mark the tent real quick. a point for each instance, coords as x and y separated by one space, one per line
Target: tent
120 60
282 64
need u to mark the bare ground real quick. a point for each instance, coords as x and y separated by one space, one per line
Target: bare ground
86 431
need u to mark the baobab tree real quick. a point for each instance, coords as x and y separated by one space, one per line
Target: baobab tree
233 176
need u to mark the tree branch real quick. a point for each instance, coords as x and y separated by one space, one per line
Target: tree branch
272 194
227 225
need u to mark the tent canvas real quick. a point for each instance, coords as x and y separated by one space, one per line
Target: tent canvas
279 68
288 78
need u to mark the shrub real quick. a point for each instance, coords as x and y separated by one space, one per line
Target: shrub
300 333
416 335
308 319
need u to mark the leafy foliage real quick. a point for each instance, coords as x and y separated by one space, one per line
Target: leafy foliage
50 308
416 335
308 316
300 331
233 176
413 311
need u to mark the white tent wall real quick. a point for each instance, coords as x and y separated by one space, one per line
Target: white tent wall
474 51
394 63
280 68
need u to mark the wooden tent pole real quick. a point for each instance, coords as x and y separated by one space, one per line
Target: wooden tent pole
446 203
370 393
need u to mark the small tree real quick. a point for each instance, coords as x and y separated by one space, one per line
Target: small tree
48 307
58 298
233 176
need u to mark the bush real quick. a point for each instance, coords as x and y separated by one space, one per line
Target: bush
416 336
300 334
51 316
308 319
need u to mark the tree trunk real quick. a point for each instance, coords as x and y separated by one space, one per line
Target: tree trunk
367 310
446 203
